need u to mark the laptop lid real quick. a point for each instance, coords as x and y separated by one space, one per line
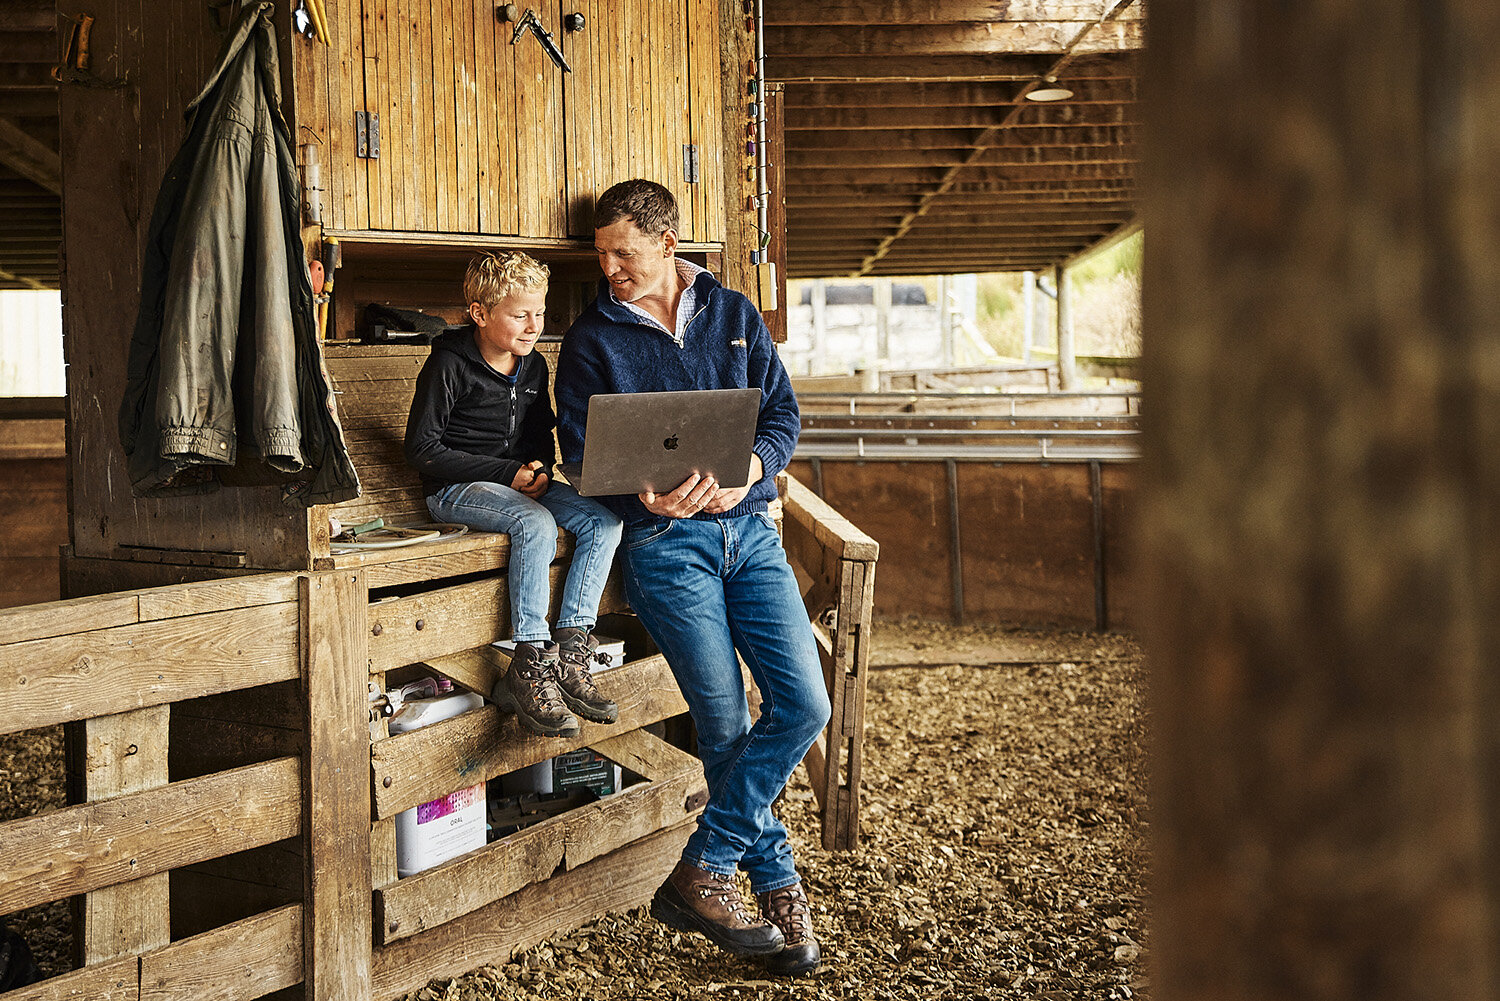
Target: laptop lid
655 441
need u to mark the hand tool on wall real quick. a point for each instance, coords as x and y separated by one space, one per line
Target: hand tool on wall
332 258
529 22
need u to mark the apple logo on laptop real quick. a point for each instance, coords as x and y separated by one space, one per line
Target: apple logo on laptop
670 444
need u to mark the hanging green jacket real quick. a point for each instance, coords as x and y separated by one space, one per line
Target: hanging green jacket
225 356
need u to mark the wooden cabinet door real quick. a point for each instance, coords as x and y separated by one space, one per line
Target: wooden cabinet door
633 99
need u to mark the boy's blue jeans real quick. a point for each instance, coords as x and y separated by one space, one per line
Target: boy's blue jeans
705 589
532 527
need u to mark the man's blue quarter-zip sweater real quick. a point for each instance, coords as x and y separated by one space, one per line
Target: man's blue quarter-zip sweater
609 349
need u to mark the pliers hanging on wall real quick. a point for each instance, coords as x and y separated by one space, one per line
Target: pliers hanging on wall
530 22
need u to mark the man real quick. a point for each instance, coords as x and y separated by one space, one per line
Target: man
705 571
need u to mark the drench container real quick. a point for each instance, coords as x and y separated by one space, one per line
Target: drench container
447 827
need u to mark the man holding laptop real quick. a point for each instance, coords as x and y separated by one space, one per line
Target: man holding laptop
704 568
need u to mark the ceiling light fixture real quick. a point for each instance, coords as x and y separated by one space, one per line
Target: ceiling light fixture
1049 90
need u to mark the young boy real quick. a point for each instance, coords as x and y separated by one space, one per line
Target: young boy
480 434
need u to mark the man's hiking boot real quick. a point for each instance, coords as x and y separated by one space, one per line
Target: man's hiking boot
705 902
529 689
789 910
577 651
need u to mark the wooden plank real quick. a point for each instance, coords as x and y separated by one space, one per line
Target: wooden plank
987 37
492 934
478 177
378 69
140 834
816 764
415 767
96 673
864 12
674 791
830 528
59 618
246 959
427 63
472 553
216 595
121 754
118 980
446 621
465 884
336 823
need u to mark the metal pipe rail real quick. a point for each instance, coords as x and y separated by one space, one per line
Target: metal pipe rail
975 445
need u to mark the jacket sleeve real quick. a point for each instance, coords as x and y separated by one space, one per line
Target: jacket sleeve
437 390
536 426
579 376
780 421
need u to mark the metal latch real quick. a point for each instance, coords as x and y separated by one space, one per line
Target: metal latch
690 163
367 135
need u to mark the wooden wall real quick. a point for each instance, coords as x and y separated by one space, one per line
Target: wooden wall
1026 535
1321 498
33 500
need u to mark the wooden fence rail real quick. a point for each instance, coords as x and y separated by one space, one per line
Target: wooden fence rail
299 775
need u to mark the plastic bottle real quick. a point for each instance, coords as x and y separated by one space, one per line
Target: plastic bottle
451 825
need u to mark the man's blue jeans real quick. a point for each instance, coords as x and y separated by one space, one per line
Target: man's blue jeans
704 589
532 527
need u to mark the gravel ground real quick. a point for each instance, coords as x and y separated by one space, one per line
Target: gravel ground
1003 850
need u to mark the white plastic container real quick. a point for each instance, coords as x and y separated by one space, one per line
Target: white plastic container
451 825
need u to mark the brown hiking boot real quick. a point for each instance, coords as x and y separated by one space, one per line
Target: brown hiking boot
788 909
529 689
695 900
576 653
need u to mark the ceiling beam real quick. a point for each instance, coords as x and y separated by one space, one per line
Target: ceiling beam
15 279
984 93
867 68
968 38
919 139
818 119
28 15
870 159
860 12
29 157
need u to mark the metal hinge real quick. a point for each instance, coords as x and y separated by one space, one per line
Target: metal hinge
367 135
690 163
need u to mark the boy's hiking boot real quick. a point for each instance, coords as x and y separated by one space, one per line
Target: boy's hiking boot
529 689
789 910
705 902
576 654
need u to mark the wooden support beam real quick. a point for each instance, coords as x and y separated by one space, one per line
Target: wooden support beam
921 139
791 69
960 117
1032 156
964 93
335 826
1007 38
865 12
29 156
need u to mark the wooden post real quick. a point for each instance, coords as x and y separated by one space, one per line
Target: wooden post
337 935
820 327
736 50
1321 488
945 320
1067 363
882 322
1028 322
122 754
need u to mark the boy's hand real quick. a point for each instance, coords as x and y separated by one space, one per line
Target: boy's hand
530 480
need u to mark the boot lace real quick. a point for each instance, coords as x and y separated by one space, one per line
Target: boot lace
789 910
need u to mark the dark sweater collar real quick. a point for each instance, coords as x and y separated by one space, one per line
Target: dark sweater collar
703 286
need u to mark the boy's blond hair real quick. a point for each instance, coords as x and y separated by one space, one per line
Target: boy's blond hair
494 276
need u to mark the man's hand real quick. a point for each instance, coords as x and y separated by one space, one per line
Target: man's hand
684 502
530 480
725 499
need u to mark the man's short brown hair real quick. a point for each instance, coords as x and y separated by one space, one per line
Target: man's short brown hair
647 204
492 277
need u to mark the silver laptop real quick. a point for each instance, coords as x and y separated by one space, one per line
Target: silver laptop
655 441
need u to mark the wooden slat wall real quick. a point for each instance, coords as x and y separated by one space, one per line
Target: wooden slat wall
33 524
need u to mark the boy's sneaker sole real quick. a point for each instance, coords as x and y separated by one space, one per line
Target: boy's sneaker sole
676 915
